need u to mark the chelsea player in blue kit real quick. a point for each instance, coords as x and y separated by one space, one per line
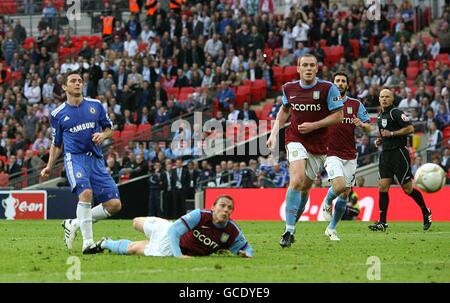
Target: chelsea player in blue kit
79 126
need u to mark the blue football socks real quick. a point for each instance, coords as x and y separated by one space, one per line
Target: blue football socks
292 206
117 247
339 209
330 196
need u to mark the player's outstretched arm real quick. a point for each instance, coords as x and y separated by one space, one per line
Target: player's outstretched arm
282 117
55 151
241 247
175 232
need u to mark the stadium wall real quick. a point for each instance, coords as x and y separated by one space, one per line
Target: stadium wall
268 204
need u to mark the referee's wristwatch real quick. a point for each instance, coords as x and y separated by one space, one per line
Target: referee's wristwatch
392 134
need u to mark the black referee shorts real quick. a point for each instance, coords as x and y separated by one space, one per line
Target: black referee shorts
395 162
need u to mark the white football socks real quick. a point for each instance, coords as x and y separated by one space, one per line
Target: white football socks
84 217
98 213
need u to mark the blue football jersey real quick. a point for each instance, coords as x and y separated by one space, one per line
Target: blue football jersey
74 126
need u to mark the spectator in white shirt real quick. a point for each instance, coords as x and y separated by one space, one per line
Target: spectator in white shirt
207 78
213 46
33 92
130 47
47 89
146 34
234 113
434 48
300 32
409 101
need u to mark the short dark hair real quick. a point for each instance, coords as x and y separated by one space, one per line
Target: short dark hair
72 72
306 56
340 74
224 197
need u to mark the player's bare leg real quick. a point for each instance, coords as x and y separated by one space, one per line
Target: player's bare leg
383 188
99 212
409 189
138 223
337 188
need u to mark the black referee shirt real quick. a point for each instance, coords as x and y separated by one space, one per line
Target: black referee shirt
392 119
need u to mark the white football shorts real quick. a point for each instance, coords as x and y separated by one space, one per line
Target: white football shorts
337 167
156 229
314 163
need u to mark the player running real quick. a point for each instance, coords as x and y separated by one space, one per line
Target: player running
341 156
198 233
314 105
81 125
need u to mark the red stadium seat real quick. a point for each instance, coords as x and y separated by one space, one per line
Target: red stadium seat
431 65
173 91
411 73
243 94
4 179
144 131
354 43
116 135
187 90
446 132
443 58
290 74
130 127
410 83
262 86
413 63
183 97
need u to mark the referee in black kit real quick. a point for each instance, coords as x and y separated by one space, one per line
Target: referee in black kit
394 127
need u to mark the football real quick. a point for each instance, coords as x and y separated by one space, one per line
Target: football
430 177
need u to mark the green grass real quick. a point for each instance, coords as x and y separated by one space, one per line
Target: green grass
33 251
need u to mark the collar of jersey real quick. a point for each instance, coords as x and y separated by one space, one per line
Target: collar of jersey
221 225
388 109
344 99
75 105
308 86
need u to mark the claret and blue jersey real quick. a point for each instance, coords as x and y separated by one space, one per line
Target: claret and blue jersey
195 234
73 128
310 103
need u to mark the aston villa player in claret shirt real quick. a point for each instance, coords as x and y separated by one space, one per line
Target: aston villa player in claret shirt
198 233
341 156
312 105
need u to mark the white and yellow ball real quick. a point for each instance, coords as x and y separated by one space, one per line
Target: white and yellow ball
430 177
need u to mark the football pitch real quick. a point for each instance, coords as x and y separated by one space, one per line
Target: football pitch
33 251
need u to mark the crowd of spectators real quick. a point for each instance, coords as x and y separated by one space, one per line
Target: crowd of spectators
212 46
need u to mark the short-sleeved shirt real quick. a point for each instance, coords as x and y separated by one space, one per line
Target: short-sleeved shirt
392 119
342 136
204 237
309 104
75 125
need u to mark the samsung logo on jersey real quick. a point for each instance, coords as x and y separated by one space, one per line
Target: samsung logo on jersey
81 127
306 107
204 239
